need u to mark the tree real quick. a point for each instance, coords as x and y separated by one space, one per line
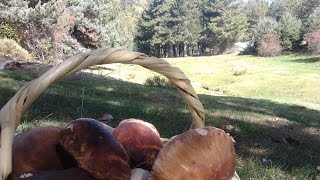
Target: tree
145 31
228 28
290 30
221 20
189 27
61 28
279 8
180 28
266 26
308 7
313 22
256 10
170 28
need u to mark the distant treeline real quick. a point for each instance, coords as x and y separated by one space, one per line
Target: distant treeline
172 28
57 29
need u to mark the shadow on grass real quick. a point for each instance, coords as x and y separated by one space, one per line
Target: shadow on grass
294 113
307 60
165 109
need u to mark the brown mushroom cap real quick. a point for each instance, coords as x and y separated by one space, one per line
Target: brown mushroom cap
67 174
36 150
204 153
139 121
95 149
141 140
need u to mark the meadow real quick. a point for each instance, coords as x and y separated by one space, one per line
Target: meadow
271 106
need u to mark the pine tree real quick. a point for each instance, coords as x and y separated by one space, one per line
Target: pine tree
228 28
190 26
145 31
313 21
279 8
290 30
266 26
221 21
308 7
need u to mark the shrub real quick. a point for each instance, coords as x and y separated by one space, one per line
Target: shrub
270 45
158 81
8 31
239 69
313 41
13 49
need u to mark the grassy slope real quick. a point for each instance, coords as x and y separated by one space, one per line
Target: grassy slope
276 98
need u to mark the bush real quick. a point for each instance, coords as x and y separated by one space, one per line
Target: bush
13 49
239 69
158 81
8 31
270 45
313 41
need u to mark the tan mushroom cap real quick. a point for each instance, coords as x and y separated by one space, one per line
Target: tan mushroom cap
203 154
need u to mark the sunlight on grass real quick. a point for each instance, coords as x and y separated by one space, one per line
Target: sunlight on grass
253 168
25 125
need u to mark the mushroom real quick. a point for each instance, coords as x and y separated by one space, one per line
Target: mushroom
204 153
66 174
95 149
38 150
139 174
141 141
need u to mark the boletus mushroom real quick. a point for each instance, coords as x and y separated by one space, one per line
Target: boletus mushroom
95 149
141 141
38 150
66 174
204 153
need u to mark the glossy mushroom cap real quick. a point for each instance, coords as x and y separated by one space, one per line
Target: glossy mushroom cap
37 150
205 153
95 149
141 140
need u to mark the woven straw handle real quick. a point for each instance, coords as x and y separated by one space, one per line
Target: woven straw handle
10 114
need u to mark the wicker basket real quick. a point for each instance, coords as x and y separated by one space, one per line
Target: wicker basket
11 113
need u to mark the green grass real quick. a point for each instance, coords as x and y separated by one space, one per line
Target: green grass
273 99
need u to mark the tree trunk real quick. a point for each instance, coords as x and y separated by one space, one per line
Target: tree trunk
166 51
185 49
170 53
158 53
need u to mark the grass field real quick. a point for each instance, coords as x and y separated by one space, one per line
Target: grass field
271 106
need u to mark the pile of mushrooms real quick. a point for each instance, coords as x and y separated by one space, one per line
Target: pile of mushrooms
87 149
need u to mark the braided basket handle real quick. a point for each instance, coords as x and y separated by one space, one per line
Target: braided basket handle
10 114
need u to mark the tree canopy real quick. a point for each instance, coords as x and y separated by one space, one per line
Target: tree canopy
163 28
